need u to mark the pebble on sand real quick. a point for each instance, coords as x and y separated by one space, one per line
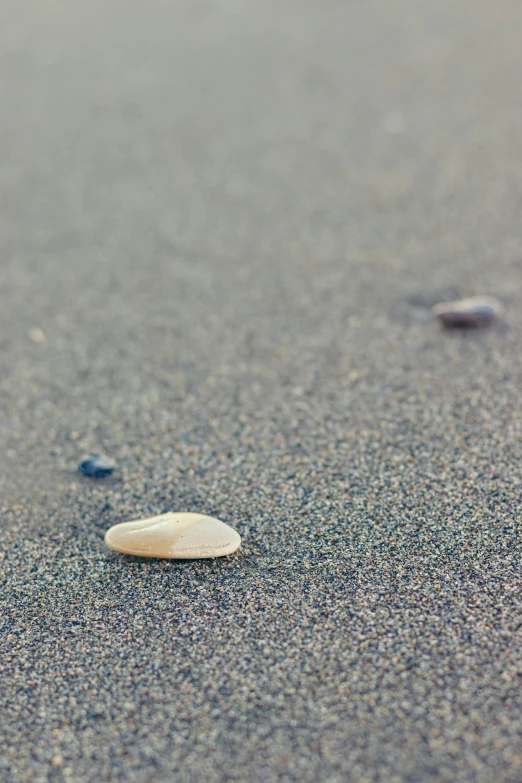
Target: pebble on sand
174 535
473 311
37 336
96 465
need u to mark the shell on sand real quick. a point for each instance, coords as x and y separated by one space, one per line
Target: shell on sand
174 535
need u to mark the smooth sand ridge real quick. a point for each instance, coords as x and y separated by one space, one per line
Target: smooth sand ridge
174 535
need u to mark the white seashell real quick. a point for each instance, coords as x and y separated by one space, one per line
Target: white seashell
174 535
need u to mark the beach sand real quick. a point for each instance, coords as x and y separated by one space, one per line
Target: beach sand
223 227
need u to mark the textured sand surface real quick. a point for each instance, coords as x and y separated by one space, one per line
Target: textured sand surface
230 221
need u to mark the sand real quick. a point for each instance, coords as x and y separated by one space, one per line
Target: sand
229 222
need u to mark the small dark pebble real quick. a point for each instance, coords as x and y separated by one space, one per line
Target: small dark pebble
97 465
470 312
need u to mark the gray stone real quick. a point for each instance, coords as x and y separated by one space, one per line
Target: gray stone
470 312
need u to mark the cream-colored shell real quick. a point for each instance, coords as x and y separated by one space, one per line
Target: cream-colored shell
174 535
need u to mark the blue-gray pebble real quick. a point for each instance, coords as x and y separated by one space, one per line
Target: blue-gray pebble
97 465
